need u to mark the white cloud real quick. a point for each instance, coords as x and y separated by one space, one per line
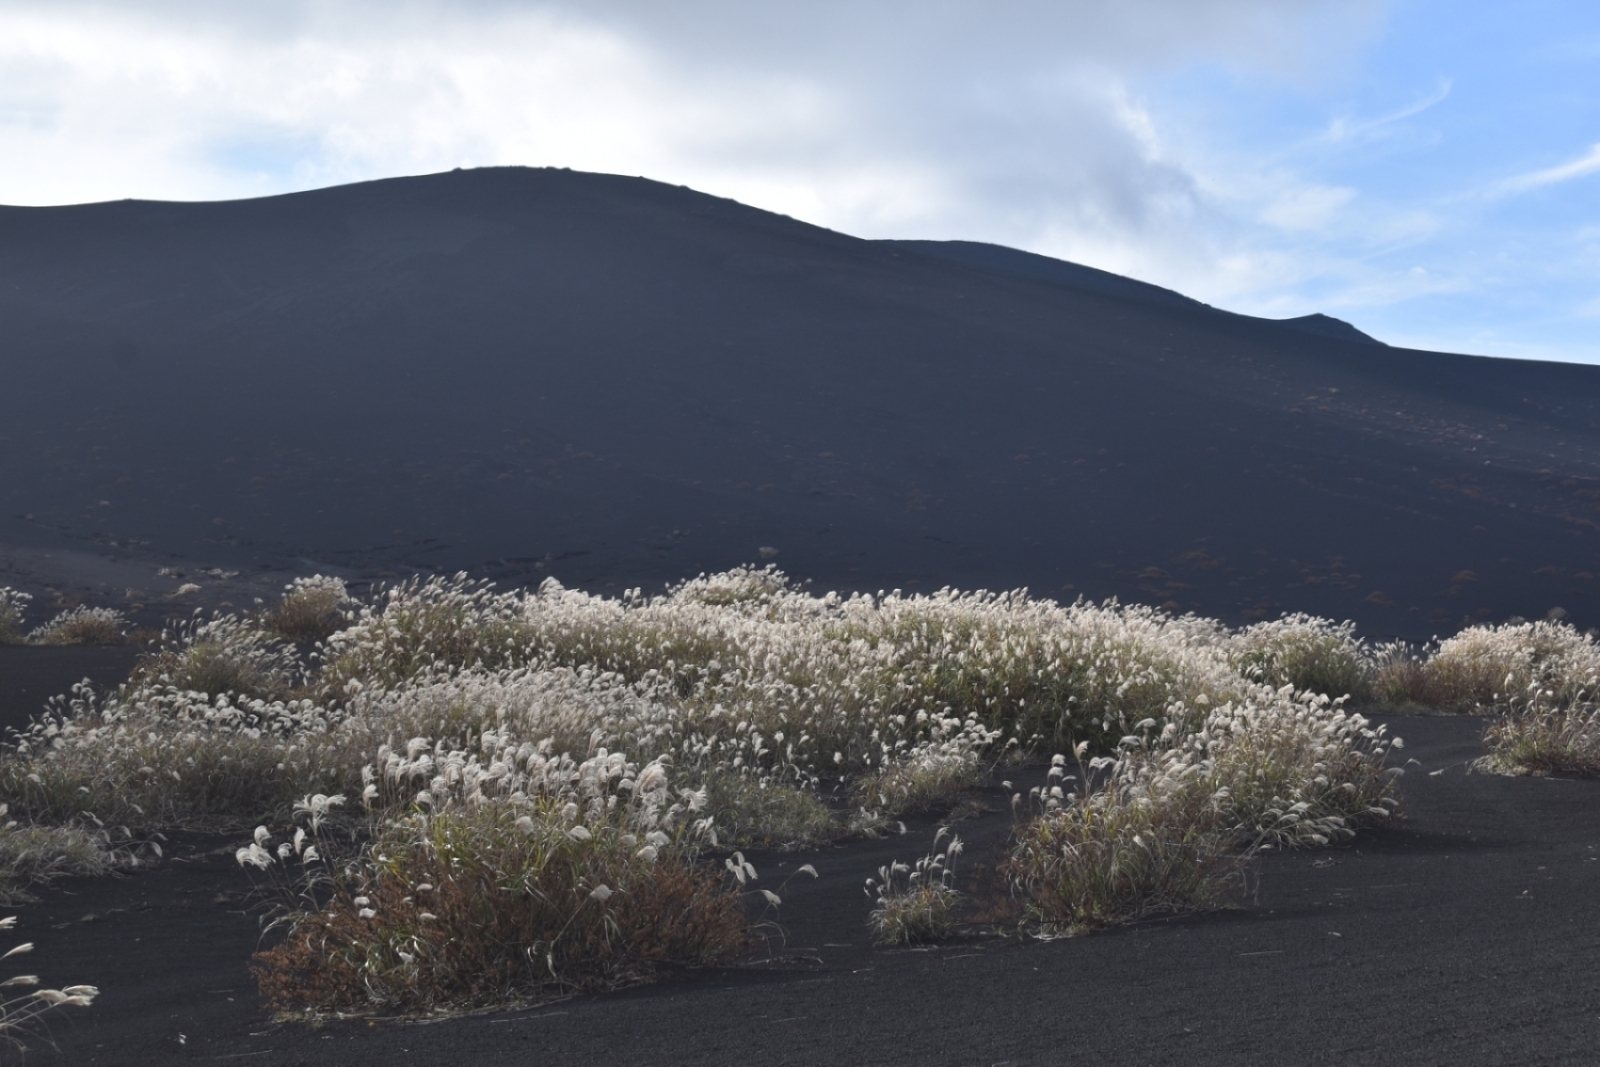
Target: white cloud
1578 168
1016 121
820 103
1345 128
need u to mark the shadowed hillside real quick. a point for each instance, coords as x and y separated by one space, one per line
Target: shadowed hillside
532 372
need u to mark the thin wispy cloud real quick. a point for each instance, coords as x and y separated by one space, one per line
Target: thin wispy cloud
1566 172
1345 128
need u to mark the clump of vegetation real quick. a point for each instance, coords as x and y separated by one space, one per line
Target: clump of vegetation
1537 679
32 854
13 606
311 609
19 1013
1293 769
76 626
1306 653
1143 843
916 903
511 751
934 778
83 626
429 627
220 657
1484 668
1542 733
1166 827
749 811
522 876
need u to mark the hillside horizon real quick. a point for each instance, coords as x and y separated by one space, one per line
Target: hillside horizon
524 373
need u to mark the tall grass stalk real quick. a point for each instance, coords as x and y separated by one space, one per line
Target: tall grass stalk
20 1012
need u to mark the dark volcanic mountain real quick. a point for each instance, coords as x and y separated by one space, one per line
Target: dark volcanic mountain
618 382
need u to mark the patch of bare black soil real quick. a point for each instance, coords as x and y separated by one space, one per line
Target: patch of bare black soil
1461 934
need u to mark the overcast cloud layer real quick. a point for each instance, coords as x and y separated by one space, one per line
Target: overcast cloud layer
1273 156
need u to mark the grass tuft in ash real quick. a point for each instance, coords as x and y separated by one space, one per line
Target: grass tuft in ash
1165 828
1307 654
1484 668
13 608
1538 680
917 903
1541 734
1140 844
75 626
511 878
83 626
310 610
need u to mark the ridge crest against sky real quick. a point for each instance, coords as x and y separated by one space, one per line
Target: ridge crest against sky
1425 170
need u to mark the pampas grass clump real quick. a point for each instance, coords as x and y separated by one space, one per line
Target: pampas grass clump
1306 653
33 854
511 749
1165 826
916 903
513 876
1543 733
1143 843
1484 668
310 610
1537 679
222 656
82 626
13 606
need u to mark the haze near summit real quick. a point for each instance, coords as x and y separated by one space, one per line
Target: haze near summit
1423 170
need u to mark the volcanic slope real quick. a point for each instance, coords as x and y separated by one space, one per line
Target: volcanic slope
619 382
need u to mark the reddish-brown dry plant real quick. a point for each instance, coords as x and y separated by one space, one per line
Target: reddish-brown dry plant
470 942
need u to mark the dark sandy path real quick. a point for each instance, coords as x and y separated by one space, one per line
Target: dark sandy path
1462 934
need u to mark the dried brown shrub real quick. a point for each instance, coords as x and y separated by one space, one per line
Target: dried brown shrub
486 946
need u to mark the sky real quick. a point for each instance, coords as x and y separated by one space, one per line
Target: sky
1427 170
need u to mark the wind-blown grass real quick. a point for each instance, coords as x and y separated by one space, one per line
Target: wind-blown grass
1167 827
916 903
1538 680
20 1012
75 626
32 854
520 875
1306 653
1485 668
311 609
511 751
83 626
13 606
